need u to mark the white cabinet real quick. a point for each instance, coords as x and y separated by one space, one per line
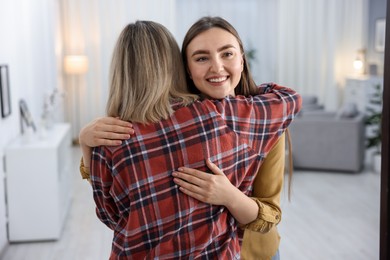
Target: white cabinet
359 90
38 185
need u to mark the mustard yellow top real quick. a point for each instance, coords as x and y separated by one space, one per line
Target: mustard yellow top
261 238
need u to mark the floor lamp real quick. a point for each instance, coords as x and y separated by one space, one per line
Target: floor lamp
75 66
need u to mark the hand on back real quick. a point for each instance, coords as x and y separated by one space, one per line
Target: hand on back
214 188
108 131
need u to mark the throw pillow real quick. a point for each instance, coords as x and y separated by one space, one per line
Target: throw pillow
348 110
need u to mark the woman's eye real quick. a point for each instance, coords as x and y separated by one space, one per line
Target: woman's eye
227 54
200 59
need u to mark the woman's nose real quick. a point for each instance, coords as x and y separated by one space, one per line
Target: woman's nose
216 65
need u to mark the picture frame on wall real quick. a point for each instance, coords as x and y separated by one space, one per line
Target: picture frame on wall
5 95
380 34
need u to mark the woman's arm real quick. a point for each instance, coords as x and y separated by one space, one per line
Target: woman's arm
109 131
267 188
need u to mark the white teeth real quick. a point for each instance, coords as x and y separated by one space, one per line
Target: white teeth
217 79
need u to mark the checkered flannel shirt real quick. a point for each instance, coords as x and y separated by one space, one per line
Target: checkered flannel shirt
133 186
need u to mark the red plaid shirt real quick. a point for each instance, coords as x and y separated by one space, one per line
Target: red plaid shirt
133 185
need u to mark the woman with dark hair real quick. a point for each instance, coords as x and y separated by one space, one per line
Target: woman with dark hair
205 43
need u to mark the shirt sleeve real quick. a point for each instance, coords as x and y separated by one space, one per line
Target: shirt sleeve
106 208
282 104
84 171
261 119
267 188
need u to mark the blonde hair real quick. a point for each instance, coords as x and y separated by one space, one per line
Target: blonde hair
147 74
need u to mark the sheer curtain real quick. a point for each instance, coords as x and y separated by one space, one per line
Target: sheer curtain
91 28
318 41
305 44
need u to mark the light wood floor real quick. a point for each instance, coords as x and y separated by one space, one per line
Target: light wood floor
331 216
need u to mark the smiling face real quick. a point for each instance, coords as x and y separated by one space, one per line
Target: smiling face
215 62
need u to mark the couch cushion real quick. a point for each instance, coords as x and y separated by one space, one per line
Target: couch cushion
310 103
309 100
348 110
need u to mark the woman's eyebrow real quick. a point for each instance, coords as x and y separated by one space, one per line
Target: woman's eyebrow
199 52
227 46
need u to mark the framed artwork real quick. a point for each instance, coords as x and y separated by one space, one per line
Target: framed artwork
5 91
380 34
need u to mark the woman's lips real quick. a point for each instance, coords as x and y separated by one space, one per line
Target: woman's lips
217 79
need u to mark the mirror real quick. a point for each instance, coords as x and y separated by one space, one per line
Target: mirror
306 56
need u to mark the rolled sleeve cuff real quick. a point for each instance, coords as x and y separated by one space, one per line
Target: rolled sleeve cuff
266 219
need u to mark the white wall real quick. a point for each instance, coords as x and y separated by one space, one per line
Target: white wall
31 46
377 11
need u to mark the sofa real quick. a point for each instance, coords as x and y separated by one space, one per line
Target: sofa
328 141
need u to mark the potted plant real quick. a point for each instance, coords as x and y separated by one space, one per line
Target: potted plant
373 121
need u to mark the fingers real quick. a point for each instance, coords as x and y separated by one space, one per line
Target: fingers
117 121
108 142
108 131
193 174
113 125
214 168
111 135
195 195
119 125
189 185
206 187
189 175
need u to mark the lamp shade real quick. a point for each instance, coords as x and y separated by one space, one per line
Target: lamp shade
76 64
359 62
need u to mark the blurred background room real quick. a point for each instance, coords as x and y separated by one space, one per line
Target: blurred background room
54 63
